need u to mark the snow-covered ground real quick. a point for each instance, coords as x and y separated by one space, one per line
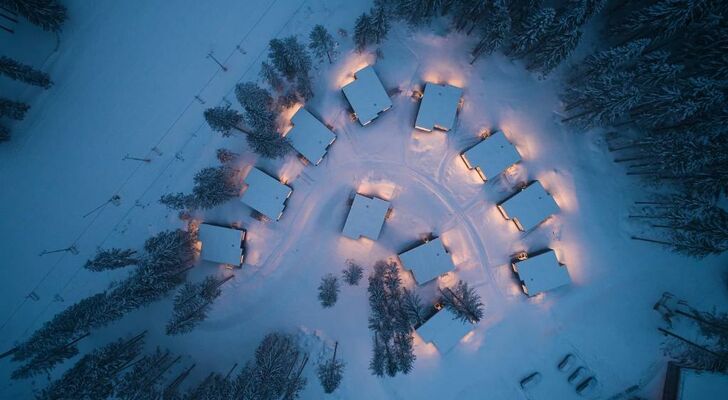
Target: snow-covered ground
126 76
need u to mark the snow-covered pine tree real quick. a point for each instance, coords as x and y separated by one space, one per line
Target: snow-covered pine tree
389 322
271 77
663 19
192 303
94 375
322 43
463 301
495 29
177 201
13 109
328 290
276 371
113 258
44 362
144 380
269 144
610 60
520 11
4 133
223 119
379 24
363 32
468 14
257 103
214 386
214 186
703 52
47 14
606 100
289 57
352 273
330 372
560 40
24 73
532 32
303 87
418 12
412 304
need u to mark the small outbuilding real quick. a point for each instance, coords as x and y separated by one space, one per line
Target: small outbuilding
366 217
443 330
528 207
367 95
491 156
439 107
266 194
541 272
222 245
685 383
309 136
428 260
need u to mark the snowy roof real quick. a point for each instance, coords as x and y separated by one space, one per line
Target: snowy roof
367 95
366 217
541 273
530 206
443 330
265 194
491 156
428 260
221 245
309 136
438 107
697 385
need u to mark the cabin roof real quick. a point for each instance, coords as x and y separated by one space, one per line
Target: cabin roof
265 194
309 136
438 107
366 217
367 95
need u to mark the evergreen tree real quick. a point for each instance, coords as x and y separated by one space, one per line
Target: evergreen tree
418 12
303 87
390 322
168 257
111 259
469 14
44 362
532 32
520 11
213 186
13 109
223 119
413 307
47 14
663 19
379 24
363 32
270 76
214 386
610 60
144 380
24 73
258 103
192 303
560 41
464 302
328 290
352 273
322 43
288 99
673 104
496 28
93 376
330 372
4 133
289 57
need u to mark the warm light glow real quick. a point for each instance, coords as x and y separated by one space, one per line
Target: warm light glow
561 188
468 337
290 170
443 72
424 349
284 118
379 188
345 69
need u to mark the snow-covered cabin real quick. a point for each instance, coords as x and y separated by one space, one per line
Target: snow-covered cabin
439 107
266 194
366 217
540 273
491 156
309 136
443 330
428 260
367 95
684 383
222 245
528 207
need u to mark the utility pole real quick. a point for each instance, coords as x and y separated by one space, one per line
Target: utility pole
212 57
128 157
115 199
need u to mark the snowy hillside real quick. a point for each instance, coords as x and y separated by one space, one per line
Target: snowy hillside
124 118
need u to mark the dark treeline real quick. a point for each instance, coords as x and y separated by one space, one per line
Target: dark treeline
661 80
